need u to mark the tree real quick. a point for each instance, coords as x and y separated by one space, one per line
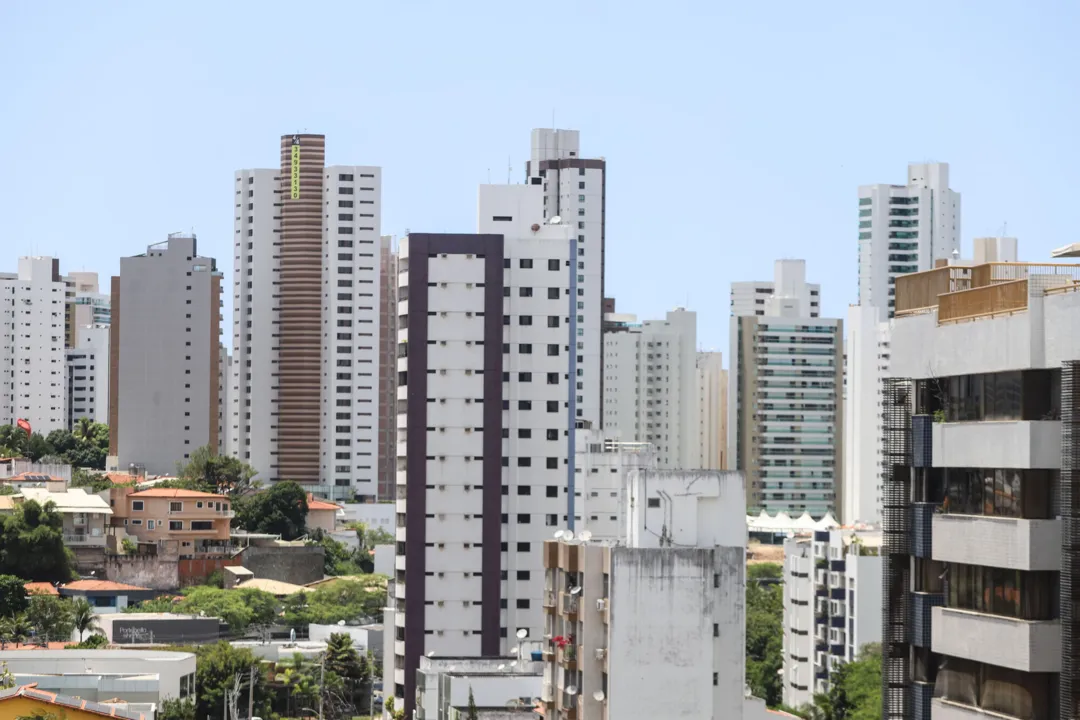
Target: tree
51 616
83 617
40 714
177 709
217 667
239 608
764 631
93 642
360 597
90 481
471 712
32 544
854 690
14 629
220 474
87 446
13 597
281 510
354 670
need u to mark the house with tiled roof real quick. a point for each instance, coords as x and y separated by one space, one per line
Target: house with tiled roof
28 701
198 521
40 588
106 595
322 514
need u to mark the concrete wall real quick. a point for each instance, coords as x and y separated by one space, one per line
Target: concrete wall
298 565
89 560
1030 646
150 571
140 629
364 638
168 666
1000 444
1002 542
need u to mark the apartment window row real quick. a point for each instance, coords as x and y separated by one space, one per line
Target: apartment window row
1014 395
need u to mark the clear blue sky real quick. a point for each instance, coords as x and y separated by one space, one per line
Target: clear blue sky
735 132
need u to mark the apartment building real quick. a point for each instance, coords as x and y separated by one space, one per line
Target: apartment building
832 607
601 470
33 385
656 627
979 581
388 327
905 229
751 297
712 392
485 361
866 351
87 367
86 304
651 387
575 190
198 521
85 515
307 281
785 410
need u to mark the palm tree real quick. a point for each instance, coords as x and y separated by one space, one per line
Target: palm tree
83 615
14 629
83 428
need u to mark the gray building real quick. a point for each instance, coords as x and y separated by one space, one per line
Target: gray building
164 356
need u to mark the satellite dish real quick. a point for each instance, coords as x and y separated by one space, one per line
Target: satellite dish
514 650
586 535
341 623
568 535
598 696
559 534
502 667
555 219
522 633
571 690
431 653
576 590
513 663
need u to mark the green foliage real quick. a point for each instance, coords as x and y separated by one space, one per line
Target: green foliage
209 472
32 544
13 597
471 713
854 690
346 599
160 604
86 447
240 608
216 668
129 546
53 617
354 671
215 579
281 510
90 481
339 558
764 631
394 713
93 642
15 629
41 714
83 617
177 709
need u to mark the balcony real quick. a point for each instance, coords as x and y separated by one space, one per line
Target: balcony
549 601
1025 645
922 529
569 604
922 606
1010 543
84 540
567 657
945 710
998 444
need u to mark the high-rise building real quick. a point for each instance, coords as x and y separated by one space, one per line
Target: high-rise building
980 505
87 365
388 327
785 411
750 298
306 322
86 304
574 190
905 229
33 382
654 627
712 382
601 471
485 361
832 607
651 387
164 350
867 357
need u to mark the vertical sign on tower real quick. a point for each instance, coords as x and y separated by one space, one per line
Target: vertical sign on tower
295 167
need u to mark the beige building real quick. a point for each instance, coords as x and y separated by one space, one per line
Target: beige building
198 521
712 381
321 514
85 515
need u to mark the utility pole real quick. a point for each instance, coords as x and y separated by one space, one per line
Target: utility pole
251 694
322 684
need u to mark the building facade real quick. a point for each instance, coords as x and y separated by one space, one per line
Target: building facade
87 366
33 385
712 383
575 190
655 627
306 292
163 356
905 229
979 555
651 387
486 410
198 521
601 470
866 351
785 410
832 607
86 304
388 327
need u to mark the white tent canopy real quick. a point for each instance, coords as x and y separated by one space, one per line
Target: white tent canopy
782 523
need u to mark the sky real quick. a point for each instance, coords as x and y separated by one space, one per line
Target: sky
735 133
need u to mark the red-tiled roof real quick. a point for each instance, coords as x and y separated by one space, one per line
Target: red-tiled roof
174 493
40 588
121 478
86 585
62 701
31 476
315 504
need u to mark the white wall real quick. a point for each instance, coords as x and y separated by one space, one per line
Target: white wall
867 351
169 666
798 622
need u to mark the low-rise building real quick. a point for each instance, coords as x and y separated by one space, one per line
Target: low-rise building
29 701
443 685
198 521
322 515
832 606
86 516
601 468
159 628
654 628
105 594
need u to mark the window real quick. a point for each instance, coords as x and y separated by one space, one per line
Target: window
553 406
502 218
202 525
524 462
552 434
525 292
345 177
553 378
524 404
553 293
553 350
525 263
176 507
553 321
344 191
525 349
552 463
524 377
136 505
553 264
523 604
654 502
176 524
524 547
523 574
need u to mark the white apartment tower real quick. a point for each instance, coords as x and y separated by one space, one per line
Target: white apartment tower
905 229
88 375
33 383
165 339
601 471
484 372
867 353
712 382
785 410
87 305
651 387
306 298
574 191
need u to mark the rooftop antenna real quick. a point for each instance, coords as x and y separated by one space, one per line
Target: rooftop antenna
509 169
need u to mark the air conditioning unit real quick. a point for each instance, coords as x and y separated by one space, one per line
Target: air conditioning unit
442 546
601 604
601 653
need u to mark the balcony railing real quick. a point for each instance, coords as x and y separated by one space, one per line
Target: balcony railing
83 539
